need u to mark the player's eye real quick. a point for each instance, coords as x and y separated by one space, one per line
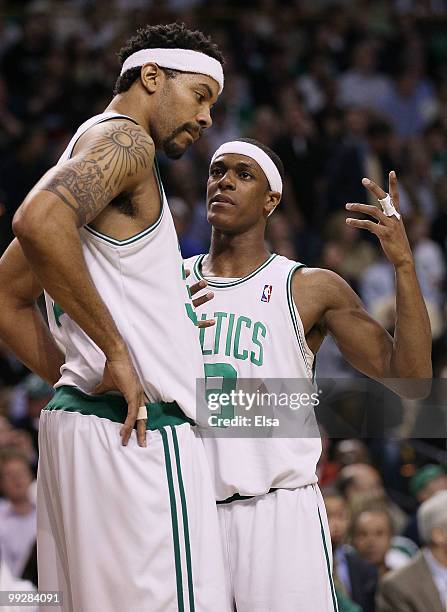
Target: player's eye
200 97
215 172
245 175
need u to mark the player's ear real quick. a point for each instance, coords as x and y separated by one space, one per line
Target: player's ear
273 200
150 77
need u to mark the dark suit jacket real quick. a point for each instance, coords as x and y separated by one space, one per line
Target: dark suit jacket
363 578
409 589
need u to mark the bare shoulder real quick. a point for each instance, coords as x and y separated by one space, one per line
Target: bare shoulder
318 283
118 140
111 158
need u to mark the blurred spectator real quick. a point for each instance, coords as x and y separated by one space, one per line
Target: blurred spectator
353 576
298 150
429 260
17 511
366 151
422 584
410 104
348 452
372 531
427 481
363 85
37 395
354 252
16 440
327 470
181 214
362 484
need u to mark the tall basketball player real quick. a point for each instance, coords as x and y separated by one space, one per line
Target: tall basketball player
123 523
272 315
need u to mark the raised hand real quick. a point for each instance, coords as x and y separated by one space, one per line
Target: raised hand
389 230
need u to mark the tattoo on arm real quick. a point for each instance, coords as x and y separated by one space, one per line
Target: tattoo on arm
88 185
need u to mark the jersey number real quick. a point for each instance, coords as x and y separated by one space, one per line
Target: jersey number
228 374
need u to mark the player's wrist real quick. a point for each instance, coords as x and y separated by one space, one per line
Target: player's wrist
405 265
116 349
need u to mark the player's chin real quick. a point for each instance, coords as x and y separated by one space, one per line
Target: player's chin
221 220
174 150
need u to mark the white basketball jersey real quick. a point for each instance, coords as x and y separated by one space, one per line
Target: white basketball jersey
142 282
259 335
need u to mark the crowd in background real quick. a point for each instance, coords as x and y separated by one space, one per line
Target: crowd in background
340 90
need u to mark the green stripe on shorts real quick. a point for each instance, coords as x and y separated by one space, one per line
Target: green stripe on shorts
175 535
185 522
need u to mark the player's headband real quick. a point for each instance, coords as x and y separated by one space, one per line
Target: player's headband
184 60
250 150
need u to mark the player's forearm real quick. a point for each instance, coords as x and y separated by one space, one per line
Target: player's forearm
62 271
411 355
25 333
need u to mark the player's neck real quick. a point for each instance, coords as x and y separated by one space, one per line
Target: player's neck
128 104
235 256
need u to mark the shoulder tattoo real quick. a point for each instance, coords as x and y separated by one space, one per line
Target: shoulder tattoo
88 185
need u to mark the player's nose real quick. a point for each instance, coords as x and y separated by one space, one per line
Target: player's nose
204 119
226 181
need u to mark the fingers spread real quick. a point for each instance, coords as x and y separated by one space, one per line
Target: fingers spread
369 210
394 191
373 188
372 227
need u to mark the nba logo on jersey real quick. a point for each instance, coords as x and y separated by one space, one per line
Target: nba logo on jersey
266 293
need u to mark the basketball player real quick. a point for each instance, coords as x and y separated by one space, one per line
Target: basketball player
123 524
272 315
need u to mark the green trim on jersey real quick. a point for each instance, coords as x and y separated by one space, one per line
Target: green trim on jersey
293 315
328 565
175 533
185 521
198 272
145 232
114 407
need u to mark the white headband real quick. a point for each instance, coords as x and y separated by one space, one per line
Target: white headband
250 150
184 60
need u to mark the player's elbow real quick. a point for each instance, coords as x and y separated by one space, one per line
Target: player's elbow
31 222
415 388
24 223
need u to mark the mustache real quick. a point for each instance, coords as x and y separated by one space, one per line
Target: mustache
195 130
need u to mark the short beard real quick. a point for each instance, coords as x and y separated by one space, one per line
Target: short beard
171 148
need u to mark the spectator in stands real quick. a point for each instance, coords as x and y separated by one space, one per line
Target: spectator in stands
37 394
421 586
363 85
372 531
427 481
356 577
362 484
410 103
17 511
348 452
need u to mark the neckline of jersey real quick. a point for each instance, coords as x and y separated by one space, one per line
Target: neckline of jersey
222 285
